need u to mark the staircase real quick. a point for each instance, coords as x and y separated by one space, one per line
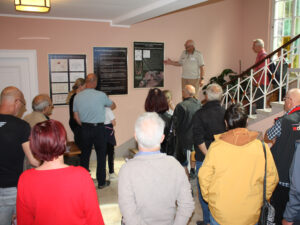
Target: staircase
245 86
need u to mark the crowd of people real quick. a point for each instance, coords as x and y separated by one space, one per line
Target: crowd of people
174 142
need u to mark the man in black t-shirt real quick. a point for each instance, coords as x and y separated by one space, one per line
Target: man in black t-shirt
14 135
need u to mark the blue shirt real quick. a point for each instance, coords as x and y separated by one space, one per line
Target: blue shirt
90 105
147 153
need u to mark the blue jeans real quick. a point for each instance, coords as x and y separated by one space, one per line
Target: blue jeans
7 204
204 205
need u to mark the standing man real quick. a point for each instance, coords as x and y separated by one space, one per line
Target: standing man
42 109
207 121
89 112
14 136
153 187
284 133
183 115
292 211
258 47
192 64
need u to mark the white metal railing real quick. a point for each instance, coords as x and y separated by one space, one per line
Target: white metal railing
247 90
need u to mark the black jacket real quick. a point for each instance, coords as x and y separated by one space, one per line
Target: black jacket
207 121
284 147
292 210
183 116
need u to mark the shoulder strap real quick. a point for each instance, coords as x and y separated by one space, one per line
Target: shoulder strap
265 176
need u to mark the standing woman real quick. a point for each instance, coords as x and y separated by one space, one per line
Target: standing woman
55 193
157 102
232 174
78 86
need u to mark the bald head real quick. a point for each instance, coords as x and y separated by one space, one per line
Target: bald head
10 94
41 103
292 99
91 80
188 91
12 101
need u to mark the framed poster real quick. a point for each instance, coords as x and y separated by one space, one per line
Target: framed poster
63 71
148 64
110 65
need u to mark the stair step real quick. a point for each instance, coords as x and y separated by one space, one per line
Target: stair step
265 112
277 107
277 104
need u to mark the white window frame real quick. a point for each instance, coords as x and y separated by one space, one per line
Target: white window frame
273 22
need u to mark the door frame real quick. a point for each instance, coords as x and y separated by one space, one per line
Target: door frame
30 56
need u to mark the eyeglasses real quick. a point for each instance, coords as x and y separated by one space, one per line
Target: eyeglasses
286 97
23 103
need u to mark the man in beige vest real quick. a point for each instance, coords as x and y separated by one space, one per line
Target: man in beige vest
192 64
42 109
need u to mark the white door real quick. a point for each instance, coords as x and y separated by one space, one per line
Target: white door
19 68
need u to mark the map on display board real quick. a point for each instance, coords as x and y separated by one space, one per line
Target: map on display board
148 64
64 69
110 66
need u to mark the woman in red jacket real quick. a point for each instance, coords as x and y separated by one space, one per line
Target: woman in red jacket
55 193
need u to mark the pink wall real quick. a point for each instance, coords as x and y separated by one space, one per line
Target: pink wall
256 19
218 28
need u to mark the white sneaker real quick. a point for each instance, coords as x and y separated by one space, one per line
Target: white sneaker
112 176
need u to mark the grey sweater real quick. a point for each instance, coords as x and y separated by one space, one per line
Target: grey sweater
154 189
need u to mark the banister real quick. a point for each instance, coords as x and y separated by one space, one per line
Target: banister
261 61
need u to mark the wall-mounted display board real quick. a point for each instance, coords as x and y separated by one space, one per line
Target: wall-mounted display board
148 64
63 71
110 65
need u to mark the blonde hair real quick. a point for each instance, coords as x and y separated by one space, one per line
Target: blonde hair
79 82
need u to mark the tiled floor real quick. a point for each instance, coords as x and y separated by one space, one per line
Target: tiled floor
108 198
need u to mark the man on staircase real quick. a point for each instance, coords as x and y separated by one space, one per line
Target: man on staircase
261 80
284 134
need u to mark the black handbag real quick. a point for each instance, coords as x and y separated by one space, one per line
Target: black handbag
267 214
171 140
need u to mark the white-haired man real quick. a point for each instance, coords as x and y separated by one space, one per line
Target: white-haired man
42 109
153 187
258 47
207 121
191 61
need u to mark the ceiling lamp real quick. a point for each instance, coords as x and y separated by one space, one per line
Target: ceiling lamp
32 5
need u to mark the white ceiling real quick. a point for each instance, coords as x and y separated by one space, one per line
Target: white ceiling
115 12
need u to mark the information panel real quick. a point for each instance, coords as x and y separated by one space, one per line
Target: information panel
110 65
63 71
148 64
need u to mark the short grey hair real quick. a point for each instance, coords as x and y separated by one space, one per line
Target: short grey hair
214 92
40 102
149 129
259 42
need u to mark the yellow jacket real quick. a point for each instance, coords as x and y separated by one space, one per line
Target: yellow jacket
232 174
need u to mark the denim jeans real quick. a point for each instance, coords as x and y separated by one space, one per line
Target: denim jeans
204 205
7 204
